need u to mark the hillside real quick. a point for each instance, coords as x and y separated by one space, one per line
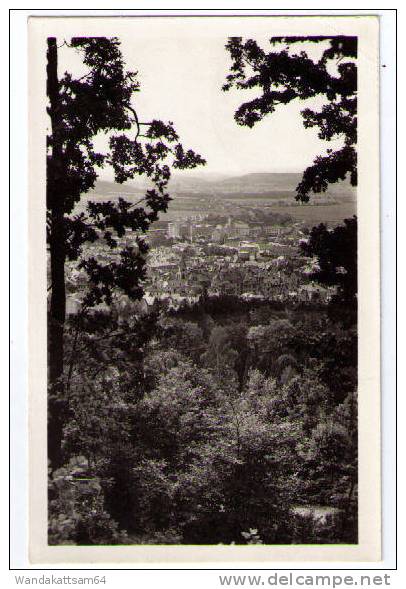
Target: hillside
273 185
261 181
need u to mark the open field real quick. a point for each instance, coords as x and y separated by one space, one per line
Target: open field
187 203
313 214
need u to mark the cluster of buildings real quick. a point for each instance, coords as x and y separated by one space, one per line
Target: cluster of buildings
199 228
235 258
180 275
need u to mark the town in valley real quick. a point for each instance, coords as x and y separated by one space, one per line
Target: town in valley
224 244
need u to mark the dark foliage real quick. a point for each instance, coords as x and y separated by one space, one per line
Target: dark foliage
244 442
336 254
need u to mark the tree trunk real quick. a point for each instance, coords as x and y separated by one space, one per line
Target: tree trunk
55 203
56 401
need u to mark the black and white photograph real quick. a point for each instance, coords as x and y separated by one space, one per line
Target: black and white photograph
199 213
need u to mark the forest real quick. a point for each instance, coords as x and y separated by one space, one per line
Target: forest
215 430
221 422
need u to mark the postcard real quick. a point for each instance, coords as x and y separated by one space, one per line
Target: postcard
204 306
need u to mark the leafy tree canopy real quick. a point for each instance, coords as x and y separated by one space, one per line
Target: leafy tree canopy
101 101
287 72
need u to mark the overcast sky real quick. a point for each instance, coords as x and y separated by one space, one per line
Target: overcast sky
181 79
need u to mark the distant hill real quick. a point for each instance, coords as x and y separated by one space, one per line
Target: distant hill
262 181
196 181
256 182
274 182
250 184
106 188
